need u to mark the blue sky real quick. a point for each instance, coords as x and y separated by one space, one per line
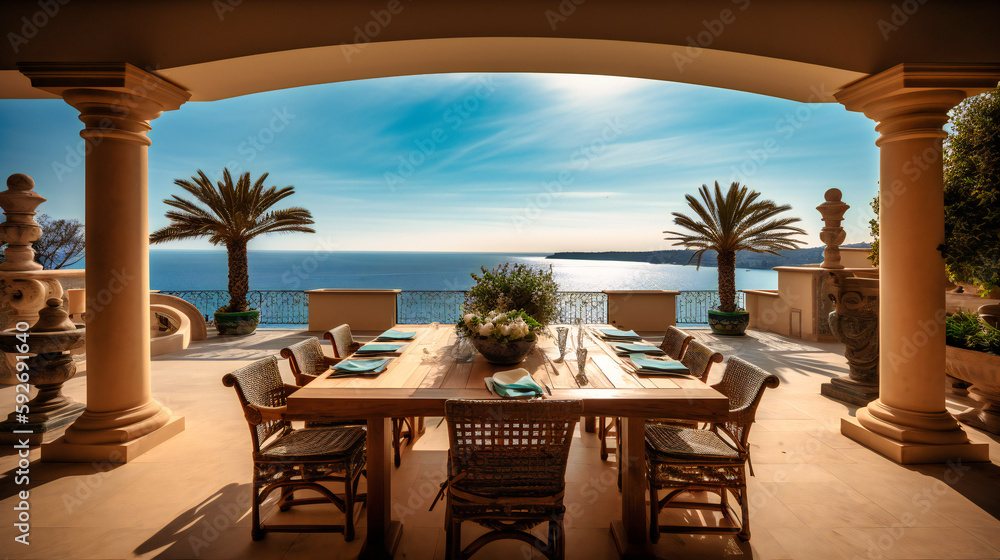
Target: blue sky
480 162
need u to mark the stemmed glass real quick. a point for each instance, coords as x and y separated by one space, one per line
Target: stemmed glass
562 333
581 364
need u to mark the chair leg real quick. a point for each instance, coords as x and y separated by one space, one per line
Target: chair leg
557 540
397 434
602 434
618 453
287 495
744 534
256 533
453 534
349 487
654 514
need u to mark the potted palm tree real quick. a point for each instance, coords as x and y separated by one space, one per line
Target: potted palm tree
727 223
231 215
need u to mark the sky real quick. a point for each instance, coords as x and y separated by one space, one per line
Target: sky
479 162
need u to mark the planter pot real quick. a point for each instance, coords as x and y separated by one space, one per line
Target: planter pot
733 324
242 322
503 354
982 370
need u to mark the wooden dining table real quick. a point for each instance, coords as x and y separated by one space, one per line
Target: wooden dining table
427 373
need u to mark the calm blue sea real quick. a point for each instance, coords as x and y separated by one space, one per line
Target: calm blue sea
305 270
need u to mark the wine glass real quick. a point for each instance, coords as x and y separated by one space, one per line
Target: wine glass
562 333
581 364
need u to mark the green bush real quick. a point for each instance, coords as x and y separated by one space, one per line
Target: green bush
512 287
967 330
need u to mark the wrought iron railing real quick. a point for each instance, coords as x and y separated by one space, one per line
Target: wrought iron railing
414 307
291 308
277 307
692 306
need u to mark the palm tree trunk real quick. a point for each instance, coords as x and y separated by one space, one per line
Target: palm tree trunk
239 278
727 281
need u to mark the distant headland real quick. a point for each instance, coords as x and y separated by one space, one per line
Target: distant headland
744 259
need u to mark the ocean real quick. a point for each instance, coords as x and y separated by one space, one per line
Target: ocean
424 271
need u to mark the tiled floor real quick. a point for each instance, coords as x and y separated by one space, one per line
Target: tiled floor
815 495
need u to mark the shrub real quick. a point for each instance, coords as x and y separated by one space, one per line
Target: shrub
513 287
967 330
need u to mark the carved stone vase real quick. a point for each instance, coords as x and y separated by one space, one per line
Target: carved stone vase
854 322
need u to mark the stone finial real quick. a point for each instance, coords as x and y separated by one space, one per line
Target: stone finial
832 234
20 230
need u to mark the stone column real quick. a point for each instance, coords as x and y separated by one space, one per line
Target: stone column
908 422
116 102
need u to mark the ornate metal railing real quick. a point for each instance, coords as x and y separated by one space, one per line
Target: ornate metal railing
277 307
291 308
445 307
693 306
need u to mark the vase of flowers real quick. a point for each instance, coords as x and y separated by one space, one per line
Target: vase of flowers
503 338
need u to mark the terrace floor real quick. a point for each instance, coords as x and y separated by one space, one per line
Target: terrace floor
816 494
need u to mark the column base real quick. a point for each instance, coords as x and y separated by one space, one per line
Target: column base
40 424
846 390
909 453
60 451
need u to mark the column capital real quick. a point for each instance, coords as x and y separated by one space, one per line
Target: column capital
912 100
115 99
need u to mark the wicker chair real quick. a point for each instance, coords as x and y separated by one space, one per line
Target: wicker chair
675 341
342 341
682 459
308 362
507 471
295 460
698 359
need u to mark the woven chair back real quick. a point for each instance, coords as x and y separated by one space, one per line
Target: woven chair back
306 359
744 384
259 384
675 342
699 358
342 340
511 447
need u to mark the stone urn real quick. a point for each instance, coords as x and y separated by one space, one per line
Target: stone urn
982 371
50 340
504 353
854 322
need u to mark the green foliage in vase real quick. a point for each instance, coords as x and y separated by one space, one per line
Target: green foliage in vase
513 287
972 192
729 222
966 330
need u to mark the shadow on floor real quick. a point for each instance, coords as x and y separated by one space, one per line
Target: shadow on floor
193 531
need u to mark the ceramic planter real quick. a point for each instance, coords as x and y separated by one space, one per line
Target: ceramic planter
241 322
732 324
982 370
503 354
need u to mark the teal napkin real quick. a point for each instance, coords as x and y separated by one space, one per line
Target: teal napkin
615 333
370 348
361 366
623 348
396 335
524 387
648 365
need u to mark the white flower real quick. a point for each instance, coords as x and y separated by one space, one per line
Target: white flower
486 329
468 318
506 329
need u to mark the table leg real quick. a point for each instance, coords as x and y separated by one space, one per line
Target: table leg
630 533
589 424
383 533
